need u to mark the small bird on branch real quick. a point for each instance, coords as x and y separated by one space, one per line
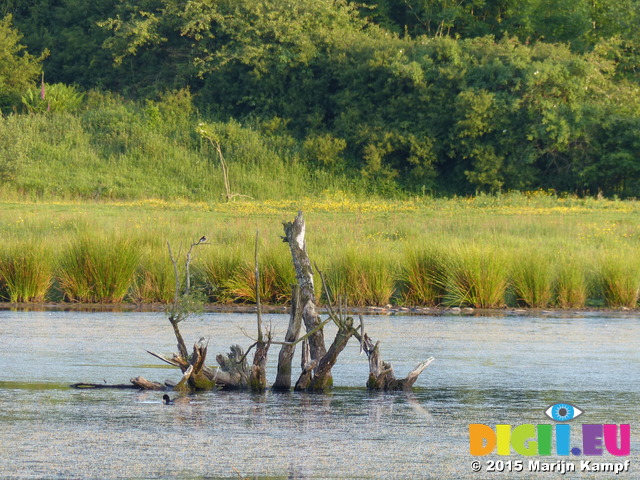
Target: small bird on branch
203 239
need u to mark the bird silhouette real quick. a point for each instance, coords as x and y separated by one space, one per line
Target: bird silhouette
203 239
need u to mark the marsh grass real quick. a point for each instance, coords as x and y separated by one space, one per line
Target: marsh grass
427 252
362 277
476 277
572 288
26 272
422 279
534 277
276 277
218 267
154 279
98 270
619 278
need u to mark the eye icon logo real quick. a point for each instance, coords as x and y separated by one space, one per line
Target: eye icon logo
563 412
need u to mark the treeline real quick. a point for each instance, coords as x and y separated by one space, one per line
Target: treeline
430 96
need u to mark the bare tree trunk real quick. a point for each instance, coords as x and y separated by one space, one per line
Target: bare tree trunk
258 376
283 377
322 378
295 236
304 380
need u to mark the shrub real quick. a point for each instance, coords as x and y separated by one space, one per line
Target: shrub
56 97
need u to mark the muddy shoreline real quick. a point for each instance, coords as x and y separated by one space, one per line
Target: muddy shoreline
388 310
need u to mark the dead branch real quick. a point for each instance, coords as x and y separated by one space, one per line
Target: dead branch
283 377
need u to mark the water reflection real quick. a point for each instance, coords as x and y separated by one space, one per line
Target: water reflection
487 370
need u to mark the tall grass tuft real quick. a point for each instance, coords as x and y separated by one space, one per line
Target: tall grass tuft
276 277
154 279
619 278
98 270
26 272
422 275
217 268
476 277
572 289
365 278
533 277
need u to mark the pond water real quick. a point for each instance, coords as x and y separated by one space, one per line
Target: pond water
491 370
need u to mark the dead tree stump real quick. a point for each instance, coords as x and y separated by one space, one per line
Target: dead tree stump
295 236
283 377
381 376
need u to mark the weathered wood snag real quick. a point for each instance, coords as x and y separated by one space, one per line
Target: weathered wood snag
234 371
258 375
294 235
381 375
316 374
283 377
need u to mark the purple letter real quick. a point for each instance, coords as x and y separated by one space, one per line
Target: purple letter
592 439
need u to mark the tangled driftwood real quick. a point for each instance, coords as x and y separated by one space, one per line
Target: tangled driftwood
233 370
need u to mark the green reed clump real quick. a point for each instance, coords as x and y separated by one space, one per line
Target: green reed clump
276 277
217 268
572 287
26 272
97 269
476 277
154 279
618 277
364 277
533 278
422 275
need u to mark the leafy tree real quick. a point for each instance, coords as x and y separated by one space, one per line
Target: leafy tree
18 69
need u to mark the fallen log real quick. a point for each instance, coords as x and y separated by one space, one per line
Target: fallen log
144 384
120 386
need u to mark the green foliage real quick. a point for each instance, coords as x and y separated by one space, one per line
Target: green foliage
324 150
18 69
363 279
276 277
423 275
53 98
394 97
461 252
572 283
154 279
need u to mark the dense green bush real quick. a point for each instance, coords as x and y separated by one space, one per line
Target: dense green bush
402 96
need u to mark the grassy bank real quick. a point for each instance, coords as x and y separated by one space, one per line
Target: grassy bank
518 250
109 149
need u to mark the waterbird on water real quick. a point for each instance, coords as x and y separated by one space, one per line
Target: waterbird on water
180 400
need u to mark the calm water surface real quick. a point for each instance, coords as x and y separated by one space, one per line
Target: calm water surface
492 370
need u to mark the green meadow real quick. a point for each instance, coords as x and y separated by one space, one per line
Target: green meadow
518 250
